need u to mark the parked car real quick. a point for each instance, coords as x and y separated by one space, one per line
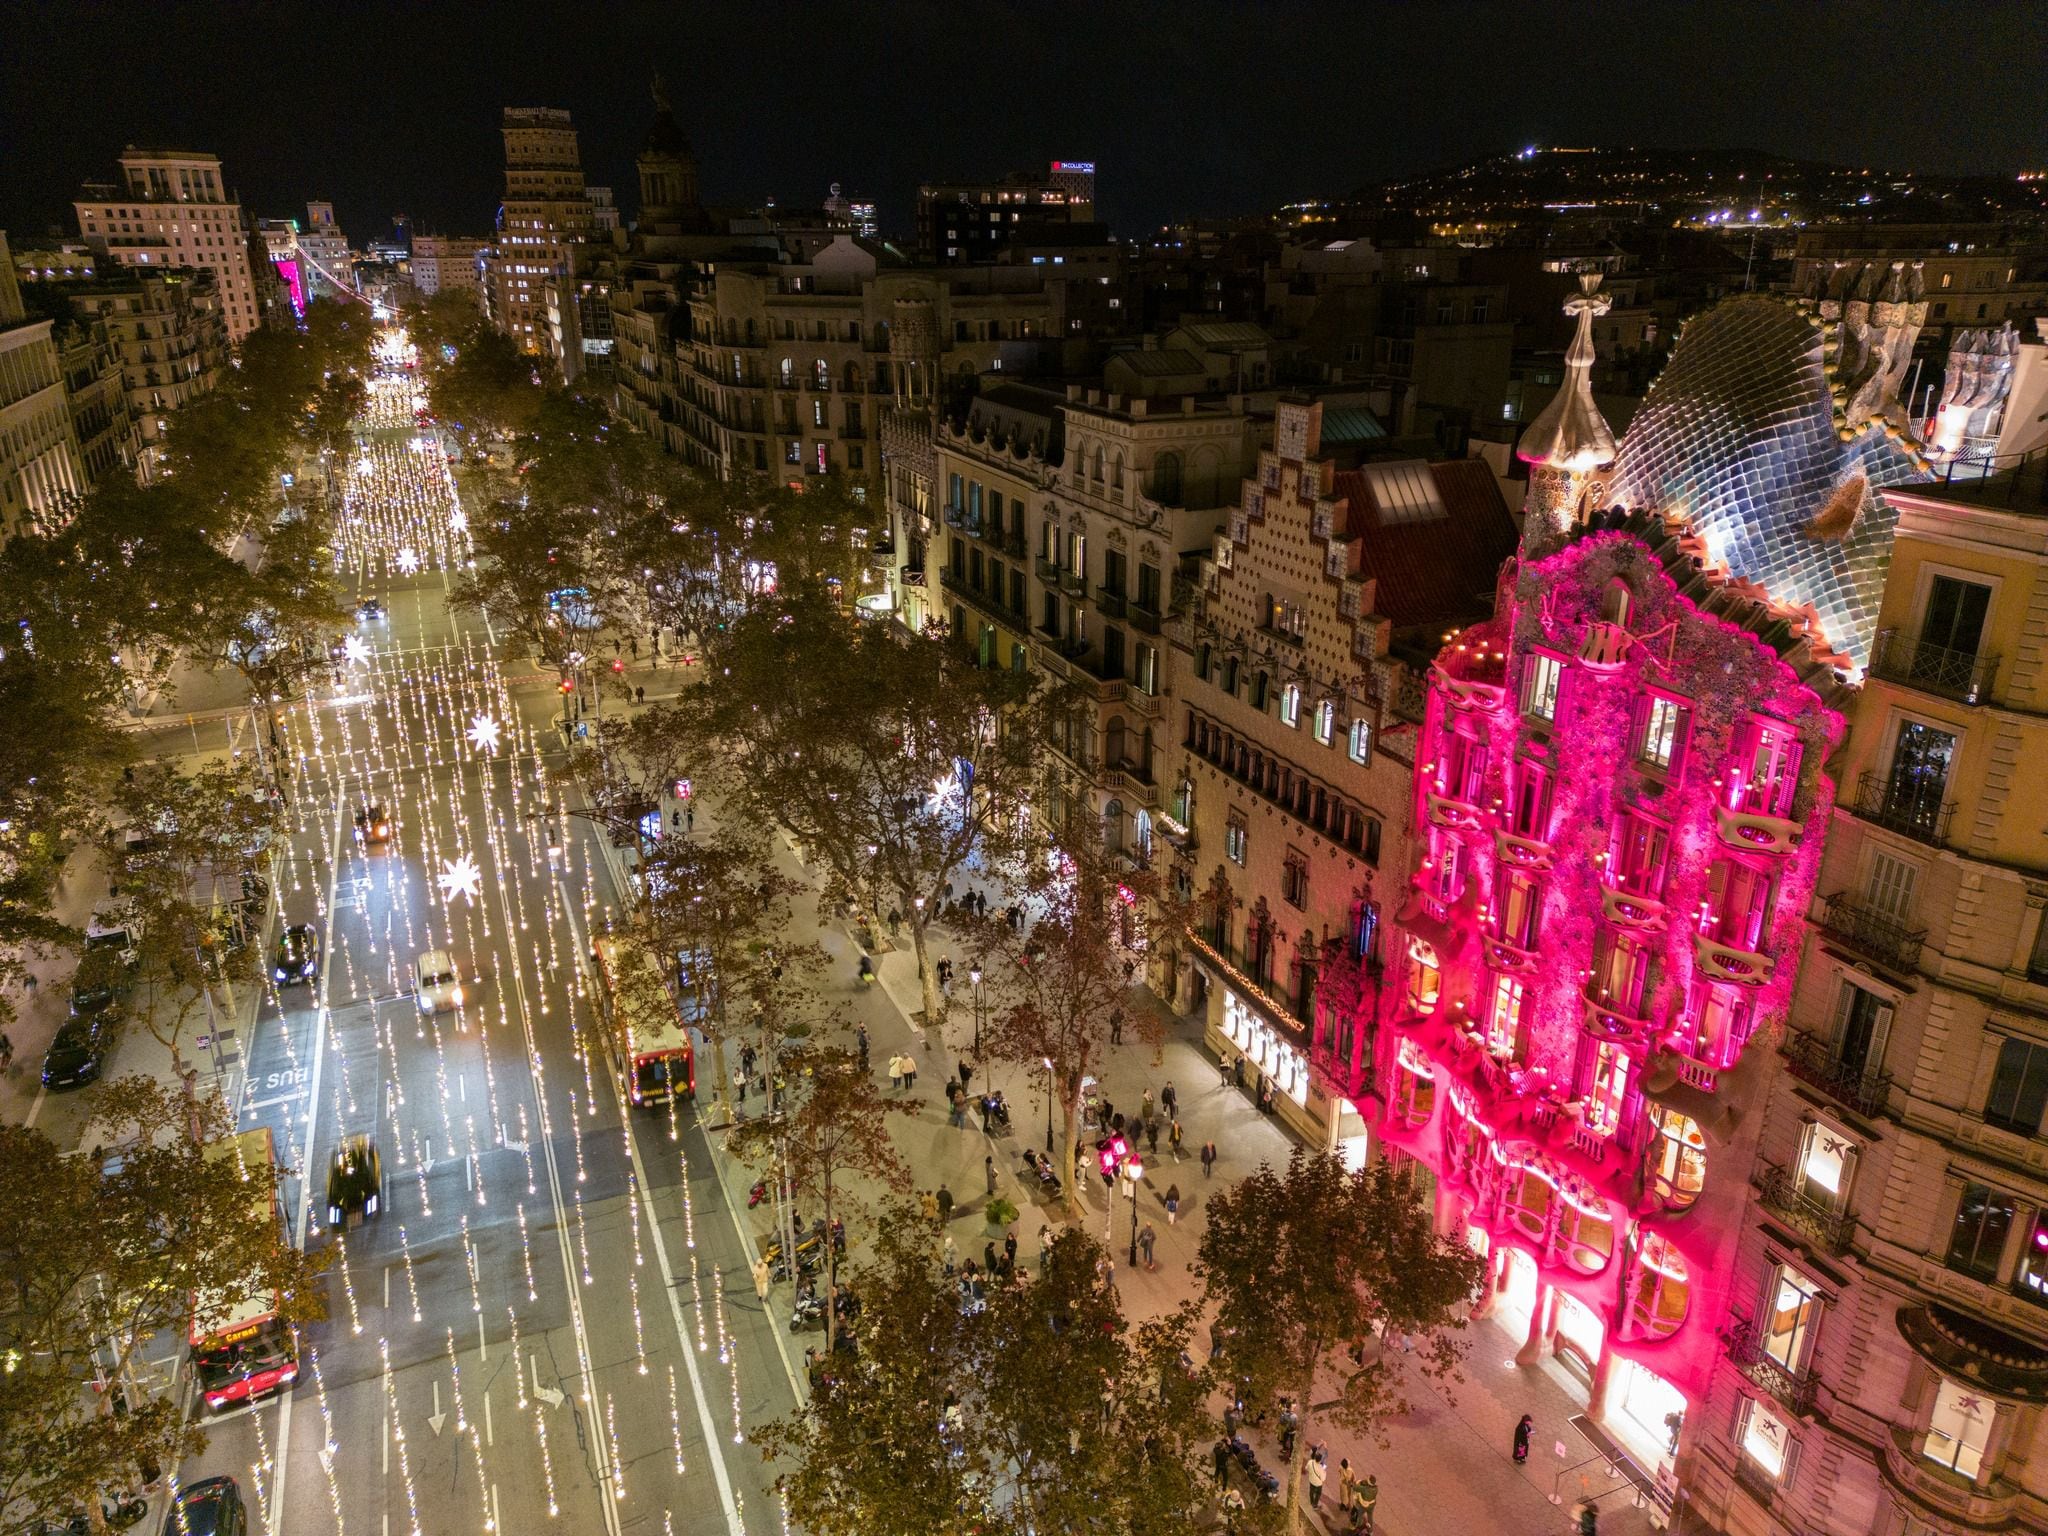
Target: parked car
298 956
74 1057
113 932
435 982
209 1508
355 1182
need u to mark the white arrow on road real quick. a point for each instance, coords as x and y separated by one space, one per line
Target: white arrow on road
437 1418
547 1395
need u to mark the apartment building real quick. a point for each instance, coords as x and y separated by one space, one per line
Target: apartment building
40 468
95 389
172 209
1887 1353
969 222
330 264
169 335
446 262
546 211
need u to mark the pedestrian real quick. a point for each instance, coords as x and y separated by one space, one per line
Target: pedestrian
1318 1473
675 820
1145 1105
639 695
1172 1204
928 1203
1223 1071
988 1166
949 1254
909 1071
1146 1239
1347 1483
1237 1072
690 820
6 1054
1152 1137
739 1086
860 1035
761 1278
633 646
1169 1100
1523 1431
1208 1158
1010 1243
896 1072
895 920
945 1199
1044 1246
1363 1501
1116 1030
31 984
1220 1456
966 1071
1173 1138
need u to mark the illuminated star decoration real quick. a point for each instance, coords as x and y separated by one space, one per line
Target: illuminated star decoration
460 877
356 648
408 562
483 733
458 519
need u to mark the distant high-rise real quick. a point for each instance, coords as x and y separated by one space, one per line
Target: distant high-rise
973 221
171 209
325 249
546 212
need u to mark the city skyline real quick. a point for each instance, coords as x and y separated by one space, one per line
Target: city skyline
1190 121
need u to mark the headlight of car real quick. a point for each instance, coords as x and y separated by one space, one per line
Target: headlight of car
455 997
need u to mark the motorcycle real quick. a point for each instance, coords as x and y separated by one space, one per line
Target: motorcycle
867 972
757 1194
808 1311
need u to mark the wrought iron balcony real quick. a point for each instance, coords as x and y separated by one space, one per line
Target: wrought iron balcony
1111 602
1746 1350
1964 675
1911 808
1876 934
1144 618
1048 571
1824 1224
1813 1060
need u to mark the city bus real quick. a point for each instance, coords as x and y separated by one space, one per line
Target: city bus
247 1351
648 1036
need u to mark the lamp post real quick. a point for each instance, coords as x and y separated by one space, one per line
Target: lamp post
1048 1110
1134 1171
974 980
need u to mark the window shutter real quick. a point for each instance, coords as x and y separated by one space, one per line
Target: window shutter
1791 1462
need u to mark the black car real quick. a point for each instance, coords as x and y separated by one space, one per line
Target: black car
355 1182
209 1508
373 825
298 956
74 1056
369 609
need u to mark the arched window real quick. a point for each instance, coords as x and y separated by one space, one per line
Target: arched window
821 374
1098 464
1617 602
1166 477
1290 705
788 373
1116 471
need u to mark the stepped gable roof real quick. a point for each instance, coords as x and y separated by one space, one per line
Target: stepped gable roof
1437 554
1745 442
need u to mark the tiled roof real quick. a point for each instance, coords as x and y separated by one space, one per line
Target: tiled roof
1158 364
1225 335
1440 571
1350 424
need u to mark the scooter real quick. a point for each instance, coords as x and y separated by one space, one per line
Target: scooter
757 1194
867 972
808 1311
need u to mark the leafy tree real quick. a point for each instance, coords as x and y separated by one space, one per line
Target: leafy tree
891 757
476 377
832 1126
98 1257
1311 1269
1041 1411
1063 986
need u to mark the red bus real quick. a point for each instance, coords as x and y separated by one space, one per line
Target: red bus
648 1036
242 1349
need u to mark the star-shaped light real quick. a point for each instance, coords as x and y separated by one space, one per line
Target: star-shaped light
458 520
408 561
356 648
460 877
483 733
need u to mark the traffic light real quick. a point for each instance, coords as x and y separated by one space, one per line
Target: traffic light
618 665
1108 1160
568 685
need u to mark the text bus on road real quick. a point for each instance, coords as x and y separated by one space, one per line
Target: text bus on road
648 1036
248 1352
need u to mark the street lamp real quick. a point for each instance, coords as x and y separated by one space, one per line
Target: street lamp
1048 1106
974 980
1134 1171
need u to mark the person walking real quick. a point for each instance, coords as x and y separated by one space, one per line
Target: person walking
1347 1483
860 1035
1219 1455
949 1254
1318 1472
1223 1071
761 1278
945 1200
909 1070
1116 1030
1169 1100
1208 1158
928 1203
1044 1246
966 1071
895 920
1237 1071
1152 1137
1363 1502
1523 1431
1172 1204
1145 1105
1146 1239
988 1166
6 1054
1010 1244
690 820
1173 1137
896 1072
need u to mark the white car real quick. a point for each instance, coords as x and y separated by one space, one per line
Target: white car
115 931
435 982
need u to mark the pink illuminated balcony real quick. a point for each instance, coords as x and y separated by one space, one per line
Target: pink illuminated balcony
1625 909
1753 833
1476 693
1453 814
1503 955
1725 962
1521 852
1607 1020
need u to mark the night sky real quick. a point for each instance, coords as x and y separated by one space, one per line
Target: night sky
1190 107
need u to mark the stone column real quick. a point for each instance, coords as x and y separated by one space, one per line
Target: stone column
1533 1347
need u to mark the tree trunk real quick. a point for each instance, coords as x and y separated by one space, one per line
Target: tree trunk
831 1274
1303 1396
927 976
1070 1124
724 1079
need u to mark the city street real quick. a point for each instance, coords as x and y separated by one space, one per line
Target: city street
553 1313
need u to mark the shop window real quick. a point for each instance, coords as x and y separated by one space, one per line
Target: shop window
1638 858
1326 722
1529 804
1530 1198
1984 1219
1678 1167
1541 675
1604 1096
1414 1086
1766 1441
1662 736
1425 977
1504 1016
1791 1314
2019 1086
1827 1159
1662 1291
1959 1428
1585 1233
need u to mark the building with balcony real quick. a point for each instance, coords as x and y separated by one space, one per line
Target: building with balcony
1288 804
41 473
172 210
546 211
442 263
1888 1358
168 338
994 467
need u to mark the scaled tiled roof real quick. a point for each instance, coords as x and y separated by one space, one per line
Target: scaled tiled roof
1740 439
1440 571
1170 363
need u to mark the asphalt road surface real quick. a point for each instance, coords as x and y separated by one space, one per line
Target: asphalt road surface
552 1321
